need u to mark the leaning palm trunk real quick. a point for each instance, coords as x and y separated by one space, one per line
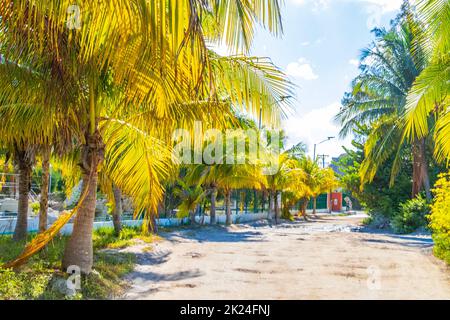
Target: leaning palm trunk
421 179
314 206
117 212
213 205
20 231
228 208
79 251
43 201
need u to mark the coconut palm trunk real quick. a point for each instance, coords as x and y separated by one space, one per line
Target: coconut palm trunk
421 179
271 205
228 208
304 208
43 201
79 251
213 205
192 217
277 207
25 169
117 212
263 200
314 205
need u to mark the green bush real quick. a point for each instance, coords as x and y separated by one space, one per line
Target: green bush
35 206
411 216
440 218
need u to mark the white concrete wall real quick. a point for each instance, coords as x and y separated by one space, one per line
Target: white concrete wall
7 225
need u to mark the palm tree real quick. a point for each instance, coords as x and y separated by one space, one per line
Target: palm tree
430 92
27 132
146 74
310 181
226 178
209 177
191 198
324 181
285 176
388 70
279 182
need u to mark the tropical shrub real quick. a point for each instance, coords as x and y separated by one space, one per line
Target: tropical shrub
412 215
378 198
440 218
35 207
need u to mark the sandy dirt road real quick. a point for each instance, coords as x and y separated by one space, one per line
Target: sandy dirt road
326 258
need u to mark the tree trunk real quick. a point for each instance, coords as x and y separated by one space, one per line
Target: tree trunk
255 201
117 212
43 201
154 226
25 169
277 207
213 205
330 202
314 205
421 179
228 208
263 200
271 205
192 217
304 208
79 251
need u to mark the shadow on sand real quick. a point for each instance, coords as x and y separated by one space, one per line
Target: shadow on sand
213 234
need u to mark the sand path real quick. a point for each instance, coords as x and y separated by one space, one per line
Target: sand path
326 258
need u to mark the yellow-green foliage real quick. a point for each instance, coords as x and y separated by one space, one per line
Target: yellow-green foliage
440 218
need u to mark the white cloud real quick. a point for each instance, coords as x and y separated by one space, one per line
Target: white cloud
301 70
385 6
314 127
375 9
297 2
354 62
316 5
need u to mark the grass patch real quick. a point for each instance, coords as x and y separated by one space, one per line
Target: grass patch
42 278
105 238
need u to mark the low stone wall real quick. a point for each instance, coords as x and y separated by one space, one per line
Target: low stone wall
7 225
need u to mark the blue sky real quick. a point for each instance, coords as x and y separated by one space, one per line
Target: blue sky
319 50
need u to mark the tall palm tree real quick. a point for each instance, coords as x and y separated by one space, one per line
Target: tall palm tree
279 182
28 131
144 58
430 93
324 181
388 70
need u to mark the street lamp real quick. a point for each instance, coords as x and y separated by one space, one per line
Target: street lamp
316 144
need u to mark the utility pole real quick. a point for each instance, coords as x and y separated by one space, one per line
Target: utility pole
316 144
323 157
